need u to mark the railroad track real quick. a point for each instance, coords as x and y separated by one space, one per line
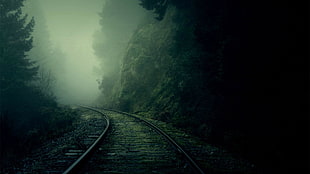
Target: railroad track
135 145
106 141
110 141
71 149
74 167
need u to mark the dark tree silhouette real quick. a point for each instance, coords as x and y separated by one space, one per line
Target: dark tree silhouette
16 70
158 6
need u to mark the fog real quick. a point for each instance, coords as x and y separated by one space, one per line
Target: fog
81 42
70 25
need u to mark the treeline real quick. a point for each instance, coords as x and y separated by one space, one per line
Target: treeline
29 113
118 20
228 71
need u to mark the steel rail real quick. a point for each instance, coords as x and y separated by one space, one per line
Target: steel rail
74 167
178 147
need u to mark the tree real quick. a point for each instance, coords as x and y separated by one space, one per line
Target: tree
16 69
158 6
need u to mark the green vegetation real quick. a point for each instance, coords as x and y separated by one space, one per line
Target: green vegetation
220 70
227 71
110 44
29 113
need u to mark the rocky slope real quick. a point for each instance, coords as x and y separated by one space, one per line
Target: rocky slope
225 71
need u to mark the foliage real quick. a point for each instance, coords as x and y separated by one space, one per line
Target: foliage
158 6
111 41
27 108
20 138
220 70
60 118
16 71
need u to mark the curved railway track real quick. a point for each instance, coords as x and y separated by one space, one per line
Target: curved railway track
108 141
111 141
135 145
177 147
77 164
70 149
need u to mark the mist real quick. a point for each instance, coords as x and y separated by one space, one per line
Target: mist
70 25
82 44
225 79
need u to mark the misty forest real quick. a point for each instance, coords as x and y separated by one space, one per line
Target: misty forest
228 75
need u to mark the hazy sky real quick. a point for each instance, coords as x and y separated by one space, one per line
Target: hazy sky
71 25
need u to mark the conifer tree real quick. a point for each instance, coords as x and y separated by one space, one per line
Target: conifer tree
16 69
